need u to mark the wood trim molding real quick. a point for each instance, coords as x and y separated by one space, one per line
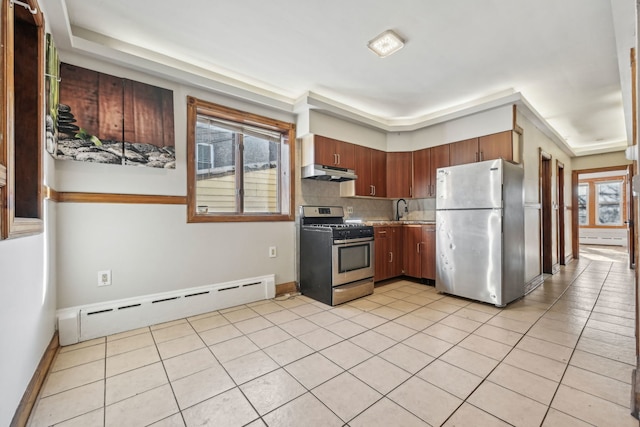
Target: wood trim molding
79 197
30 395
286 288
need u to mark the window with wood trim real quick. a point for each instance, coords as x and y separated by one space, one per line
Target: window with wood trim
583 204
22 122
601 202
239 165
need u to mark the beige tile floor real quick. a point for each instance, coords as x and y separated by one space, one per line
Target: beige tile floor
404 356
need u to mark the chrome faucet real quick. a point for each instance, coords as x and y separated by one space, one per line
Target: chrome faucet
406 209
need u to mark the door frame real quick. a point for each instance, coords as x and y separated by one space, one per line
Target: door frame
546 213
561 208
575 228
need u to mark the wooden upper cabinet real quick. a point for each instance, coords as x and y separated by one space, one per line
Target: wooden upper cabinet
399 174
425 164
422 173
371 168
462 152
363 170
439 159
496 146
332 152
379 173
489 147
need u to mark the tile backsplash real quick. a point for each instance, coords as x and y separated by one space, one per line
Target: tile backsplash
324 193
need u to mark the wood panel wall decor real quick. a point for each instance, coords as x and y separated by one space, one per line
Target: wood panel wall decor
107 119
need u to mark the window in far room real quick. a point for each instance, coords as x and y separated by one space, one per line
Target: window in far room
609 203
601 202
239 165
583 204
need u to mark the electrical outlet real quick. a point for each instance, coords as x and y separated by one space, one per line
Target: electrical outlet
349 209
104 278
272 252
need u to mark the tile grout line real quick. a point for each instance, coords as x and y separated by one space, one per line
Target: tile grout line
512 348
575 347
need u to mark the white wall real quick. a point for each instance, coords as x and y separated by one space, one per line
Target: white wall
600 161
483 123
535 140
151 248
27 316
333 127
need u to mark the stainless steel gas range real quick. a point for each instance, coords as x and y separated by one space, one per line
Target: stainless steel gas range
336 258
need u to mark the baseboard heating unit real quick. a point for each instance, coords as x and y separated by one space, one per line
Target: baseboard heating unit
76 324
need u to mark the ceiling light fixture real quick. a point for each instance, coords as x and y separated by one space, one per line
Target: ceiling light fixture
386 43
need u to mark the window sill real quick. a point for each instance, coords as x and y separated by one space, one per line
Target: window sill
212 218
23 227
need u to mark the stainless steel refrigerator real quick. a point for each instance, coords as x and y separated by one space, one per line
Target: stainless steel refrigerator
480 231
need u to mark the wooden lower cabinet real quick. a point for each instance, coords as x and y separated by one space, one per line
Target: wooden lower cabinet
412 239
428 254
388 252
420 251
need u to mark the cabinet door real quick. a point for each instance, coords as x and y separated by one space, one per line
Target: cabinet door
428 253
462 152
496 146
331 152
346 155
412 238
364 186
379 172
324 150
399 174
439 159
422 173
396 261
381 247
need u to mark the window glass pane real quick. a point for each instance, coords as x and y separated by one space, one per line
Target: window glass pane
215 168
583 202
609 203
240 165
261 174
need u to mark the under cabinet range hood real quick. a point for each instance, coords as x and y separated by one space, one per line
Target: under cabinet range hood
327 159
328 173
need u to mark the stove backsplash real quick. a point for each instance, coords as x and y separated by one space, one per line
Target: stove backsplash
323 193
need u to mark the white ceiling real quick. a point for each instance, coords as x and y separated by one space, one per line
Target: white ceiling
568 58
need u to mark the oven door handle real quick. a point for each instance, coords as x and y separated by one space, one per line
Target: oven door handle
349 241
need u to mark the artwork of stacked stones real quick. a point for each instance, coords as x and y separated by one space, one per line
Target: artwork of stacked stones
74 143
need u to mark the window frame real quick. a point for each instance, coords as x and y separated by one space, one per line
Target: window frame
592 202
197 107
12 226
586 206
620 203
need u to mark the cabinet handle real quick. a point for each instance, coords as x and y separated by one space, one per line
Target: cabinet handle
418 247
373 190
410 191
382 232
390 256
481 156
338 159
335 159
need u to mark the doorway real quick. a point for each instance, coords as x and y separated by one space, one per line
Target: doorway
561 213
546 238
603 209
